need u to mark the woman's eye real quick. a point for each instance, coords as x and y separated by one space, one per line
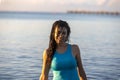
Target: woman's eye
59 33
64 33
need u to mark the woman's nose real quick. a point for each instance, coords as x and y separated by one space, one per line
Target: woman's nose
61 35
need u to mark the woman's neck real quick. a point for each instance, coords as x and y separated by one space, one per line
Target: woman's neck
61 45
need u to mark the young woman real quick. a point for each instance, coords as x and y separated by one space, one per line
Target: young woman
63 58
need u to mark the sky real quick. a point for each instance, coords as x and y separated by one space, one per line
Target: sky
59 5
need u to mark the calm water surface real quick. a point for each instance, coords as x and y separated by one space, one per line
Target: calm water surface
23 37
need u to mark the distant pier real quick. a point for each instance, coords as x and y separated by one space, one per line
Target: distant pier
94 12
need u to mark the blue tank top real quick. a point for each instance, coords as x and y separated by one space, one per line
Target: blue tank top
64 65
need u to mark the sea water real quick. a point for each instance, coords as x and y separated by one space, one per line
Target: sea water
24 36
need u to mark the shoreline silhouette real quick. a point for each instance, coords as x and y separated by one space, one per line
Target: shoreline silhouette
67 12
94 12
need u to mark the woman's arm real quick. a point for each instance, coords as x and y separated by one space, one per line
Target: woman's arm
45 67
79 63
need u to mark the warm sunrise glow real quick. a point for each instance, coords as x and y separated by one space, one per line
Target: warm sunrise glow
59 5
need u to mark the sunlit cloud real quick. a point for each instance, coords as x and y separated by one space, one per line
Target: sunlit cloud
19 2
114 3
59 5
100 2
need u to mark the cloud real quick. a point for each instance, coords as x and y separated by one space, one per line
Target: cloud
101 2
19 2
59 5
114 3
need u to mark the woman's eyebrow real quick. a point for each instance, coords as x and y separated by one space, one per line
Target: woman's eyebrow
62 30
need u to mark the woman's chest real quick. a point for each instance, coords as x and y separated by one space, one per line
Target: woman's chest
60 62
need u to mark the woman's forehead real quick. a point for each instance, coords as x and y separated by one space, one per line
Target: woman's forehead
61 29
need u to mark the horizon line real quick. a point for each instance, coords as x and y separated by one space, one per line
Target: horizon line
67 12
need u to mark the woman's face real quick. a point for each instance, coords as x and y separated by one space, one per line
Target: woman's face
60 35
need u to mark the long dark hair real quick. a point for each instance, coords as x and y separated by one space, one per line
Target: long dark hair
52 44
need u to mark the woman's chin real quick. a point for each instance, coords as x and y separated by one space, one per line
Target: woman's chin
61 42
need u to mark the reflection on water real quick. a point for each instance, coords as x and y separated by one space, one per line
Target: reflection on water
23 41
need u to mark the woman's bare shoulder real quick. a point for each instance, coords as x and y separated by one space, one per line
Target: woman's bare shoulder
45 53
75 47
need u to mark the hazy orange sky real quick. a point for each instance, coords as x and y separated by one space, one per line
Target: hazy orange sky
59 5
